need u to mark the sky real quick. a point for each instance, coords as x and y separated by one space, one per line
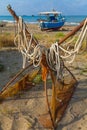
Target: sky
33 7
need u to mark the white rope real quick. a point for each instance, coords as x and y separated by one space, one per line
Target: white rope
72 53
52 54
68 43
53 58
81 37
24 46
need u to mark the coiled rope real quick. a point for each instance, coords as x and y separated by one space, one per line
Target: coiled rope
72 53
53 55
24 45
53 59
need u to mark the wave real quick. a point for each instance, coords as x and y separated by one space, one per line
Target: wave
72 23
31 22
11 21
70 20
36 22
7 21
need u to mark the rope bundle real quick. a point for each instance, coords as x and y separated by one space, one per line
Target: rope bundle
68 53
25 46
53 56
53 59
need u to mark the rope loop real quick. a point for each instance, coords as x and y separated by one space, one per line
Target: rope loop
54 54
69 54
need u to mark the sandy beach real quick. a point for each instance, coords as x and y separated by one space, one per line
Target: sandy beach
21 112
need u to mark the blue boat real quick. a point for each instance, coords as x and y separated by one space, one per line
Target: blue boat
54 20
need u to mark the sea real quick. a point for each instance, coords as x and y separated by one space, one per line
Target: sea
33 19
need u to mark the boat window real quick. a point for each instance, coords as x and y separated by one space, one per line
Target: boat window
52 18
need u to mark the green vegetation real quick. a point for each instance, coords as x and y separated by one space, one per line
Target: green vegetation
37 79
59 35
84 71
6 40
49 37
38 36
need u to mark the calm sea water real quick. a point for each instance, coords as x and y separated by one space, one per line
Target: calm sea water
70 20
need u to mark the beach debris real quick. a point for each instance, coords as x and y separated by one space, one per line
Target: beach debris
52 64
2 24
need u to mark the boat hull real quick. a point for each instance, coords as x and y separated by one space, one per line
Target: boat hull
51 25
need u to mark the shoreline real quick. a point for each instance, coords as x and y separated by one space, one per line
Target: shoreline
32 24
66 23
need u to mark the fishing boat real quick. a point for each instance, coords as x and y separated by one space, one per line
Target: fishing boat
53 20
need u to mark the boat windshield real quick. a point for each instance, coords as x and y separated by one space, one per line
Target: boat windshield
52 19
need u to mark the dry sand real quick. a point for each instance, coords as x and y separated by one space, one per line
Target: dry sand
20 113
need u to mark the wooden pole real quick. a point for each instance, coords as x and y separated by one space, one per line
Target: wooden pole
13 13
72 32
34 40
